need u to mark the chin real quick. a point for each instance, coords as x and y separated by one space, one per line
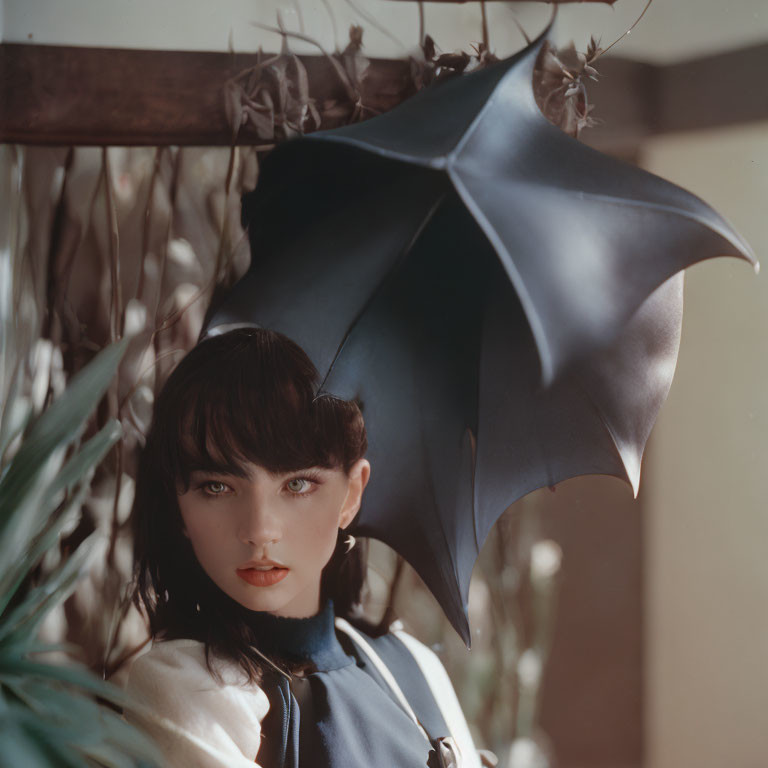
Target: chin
267 603
260 599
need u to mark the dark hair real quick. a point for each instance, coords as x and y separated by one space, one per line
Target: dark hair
244 395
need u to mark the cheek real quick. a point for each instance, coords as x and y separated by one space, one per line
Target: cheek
316 533
199 526
205 532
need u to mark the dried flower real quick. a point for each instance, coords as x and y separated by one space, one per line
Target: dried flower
558 84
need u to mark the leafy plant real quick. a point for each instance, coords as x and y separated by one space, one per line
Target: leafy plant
53 714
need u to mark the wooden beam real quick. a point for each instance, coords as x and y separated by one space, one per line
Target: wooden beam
623 100
79 96
635 100
63 95
726 89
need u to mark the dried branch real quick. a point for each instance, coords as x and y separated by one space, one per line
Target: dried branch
115 320
173 194
59 215
629 31
148 220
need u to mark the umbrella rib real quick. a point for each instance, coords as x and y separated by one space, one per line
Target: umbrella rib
436 163
387 277
472 472
537 327
730 236
528 50
723 229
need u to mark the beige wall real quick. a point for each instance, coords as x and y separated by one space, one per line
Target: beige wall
671 30
706 483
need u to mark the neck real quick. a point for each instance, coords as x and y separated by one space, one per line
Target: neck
303 606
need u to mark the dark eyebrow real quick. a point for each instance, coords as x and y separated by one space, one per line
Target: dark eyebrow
223 468
235 470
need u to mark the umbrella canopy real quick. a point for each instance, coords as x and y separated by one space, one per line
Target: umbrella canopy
503 300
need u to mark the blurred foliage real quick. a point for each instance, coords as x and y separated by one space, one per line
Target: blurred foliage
51 714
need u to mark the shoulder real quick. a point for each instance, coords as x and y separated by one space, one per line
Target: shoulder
173 667
213 720
184 660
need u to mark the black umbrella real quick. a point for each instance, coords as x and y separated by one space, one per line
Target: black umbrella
499 296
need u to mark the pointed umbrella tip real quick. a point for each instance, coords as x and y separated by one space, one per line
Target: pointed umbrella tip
461 625
748 253
467 638
459 620
633 465
633 480
632 460
745 252
741 247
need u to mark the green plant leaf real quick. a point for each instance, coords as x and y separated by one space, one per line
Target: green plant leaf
122 740
86 459
77 469
16 572
16 413
55 741
24 484
66 708
50 715
13 669
24 619
21 748
62 716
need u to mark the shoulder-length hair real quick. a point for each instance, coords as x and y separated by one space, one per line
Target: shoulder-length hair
245 395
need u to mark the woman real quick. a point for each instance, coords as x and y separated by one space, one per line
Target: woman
245 487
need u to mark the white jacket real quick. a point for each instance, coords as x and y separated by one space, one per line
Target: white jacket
198 721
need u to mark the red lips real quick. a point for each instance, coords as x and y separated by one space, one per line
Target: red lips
259 578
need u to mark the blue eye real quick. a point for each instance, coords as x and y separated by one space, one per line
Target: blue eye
214 488
299 485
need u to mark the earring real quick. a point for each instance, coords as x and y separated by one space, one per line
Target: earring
350 542
197 607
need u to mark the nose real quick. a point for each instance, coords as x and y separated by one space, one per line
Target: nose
258 523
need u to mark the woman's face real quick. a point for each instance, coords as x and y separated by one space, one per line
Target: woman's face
265 539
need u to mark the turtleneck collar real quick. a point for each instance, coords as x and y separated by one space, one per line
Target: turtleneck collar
306 639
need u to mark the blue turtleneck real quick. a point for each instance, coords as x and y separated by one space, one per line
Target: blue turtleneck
301 639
